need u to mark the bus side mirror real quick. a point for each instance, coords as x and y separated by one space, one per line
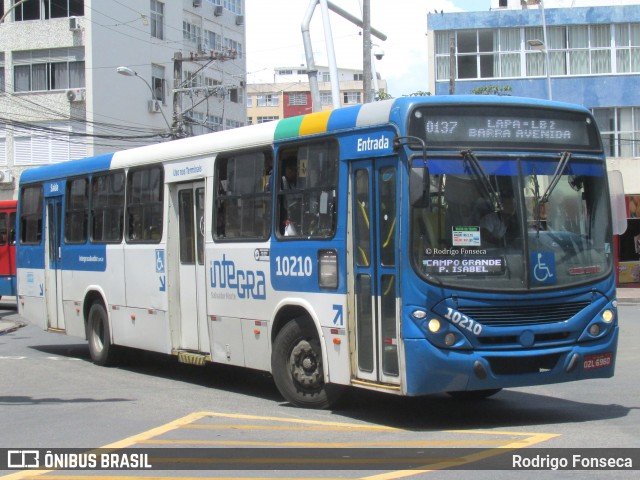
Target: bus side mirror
618 206
419 186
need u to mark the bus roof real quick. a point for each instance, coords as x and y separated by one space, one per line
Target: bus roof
253 136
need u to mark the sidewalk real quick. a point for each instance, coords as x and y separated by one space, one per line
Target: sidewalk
8 305
629 296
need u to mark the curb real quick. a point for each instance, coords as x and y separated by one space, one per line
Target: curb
9 327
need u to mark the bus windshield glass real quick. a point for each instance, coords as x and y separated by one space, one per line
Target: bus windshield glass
513 223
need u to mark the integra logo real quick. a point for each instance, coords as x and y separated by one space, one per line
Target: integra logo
247 283
369 144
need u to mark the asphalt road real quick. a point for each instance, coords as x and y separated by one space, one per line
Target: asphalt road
52 396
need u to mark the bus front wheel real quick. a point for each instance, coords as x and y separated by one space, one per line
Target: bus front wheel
100 347
297 367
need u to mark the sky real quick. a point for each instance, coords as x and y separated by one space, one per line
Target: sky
274 37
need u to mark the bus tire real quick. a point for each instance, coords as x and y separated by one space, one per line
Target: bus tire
296 364
99 336
474 394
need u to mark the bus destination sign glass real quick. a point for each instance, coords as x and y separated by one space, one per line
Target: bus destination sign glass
479 126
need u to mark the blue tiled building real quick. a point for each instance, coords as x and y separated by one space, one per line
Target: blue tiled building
593 59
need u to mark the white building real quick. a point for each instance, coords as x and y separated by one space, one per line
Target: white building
62 97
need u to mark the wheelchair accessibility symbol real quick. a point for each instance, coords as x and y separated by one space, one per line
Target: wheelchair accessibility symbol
159 261
543 267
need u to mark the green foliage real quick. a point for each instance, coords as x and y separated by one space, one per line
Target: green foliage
382 95
493 90
419 93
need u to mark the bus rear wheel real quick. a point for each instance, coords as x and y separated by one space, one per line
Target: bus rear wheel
297 367
100 347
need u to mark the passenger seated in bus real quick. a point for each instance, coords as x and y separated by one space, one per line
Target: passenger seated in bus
267 177
290 175
288 201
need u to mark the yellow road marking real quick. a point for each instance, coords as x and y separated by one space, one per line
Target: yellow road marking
289 428
124 443
298 420
416 443
537 438
523 440
134 477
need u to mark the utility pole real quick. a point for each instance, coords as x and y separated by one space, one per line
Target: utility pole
177 126
452 64
366 52
308 50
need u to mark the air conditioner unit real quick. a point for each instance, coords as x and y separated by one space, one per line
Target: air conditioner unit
239 19
74 24
6 176
197 3
76 94
217 10
154 106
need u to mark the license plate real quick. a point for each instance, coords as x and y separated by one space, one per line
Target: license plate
599 360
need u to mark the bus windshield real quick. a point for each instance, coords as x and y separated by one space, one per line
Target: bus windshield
513 223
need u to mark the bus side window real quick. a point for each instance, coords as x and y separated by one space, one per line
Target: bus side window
76 211
12 228
145 205
3 229
307 190
242 199
107 204
31 215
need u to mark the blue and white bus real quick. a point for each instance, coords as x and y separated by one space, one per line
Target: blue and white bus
458 244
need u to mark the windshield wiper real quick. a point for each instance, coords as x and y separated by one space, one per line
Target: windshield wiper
562 165
540 201
480 174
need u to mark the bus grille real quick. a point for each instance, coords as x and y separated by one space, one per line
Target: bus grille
518 315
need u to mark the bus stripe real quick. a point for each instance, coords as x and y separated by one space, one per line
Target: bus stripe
343 118
67 169
374 113
287 128
314 123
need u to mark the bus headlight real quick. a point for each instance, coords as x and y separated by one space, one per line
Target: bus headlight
594 330
434 325
608 316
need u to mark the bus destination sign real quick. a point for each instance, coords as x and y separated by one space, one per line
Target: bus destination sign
477 126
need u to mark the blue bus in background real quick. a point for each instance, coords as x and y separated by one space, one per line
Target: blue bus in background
458 244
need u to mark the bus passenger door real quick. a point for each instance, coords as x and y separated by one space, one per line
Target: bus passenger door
193 326
52 264
374 246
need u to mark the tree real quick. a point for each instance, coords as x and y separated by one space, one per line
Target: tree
419 93
382 95
504 90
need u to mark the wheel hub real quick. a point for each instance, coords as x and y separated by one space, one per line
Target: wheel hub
304 365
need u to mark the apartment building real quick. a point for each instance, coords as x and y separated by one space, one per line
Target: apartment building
290 95
69 67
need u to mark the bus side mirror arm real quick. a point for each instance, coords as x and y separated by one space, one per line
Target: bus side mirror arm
419 179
